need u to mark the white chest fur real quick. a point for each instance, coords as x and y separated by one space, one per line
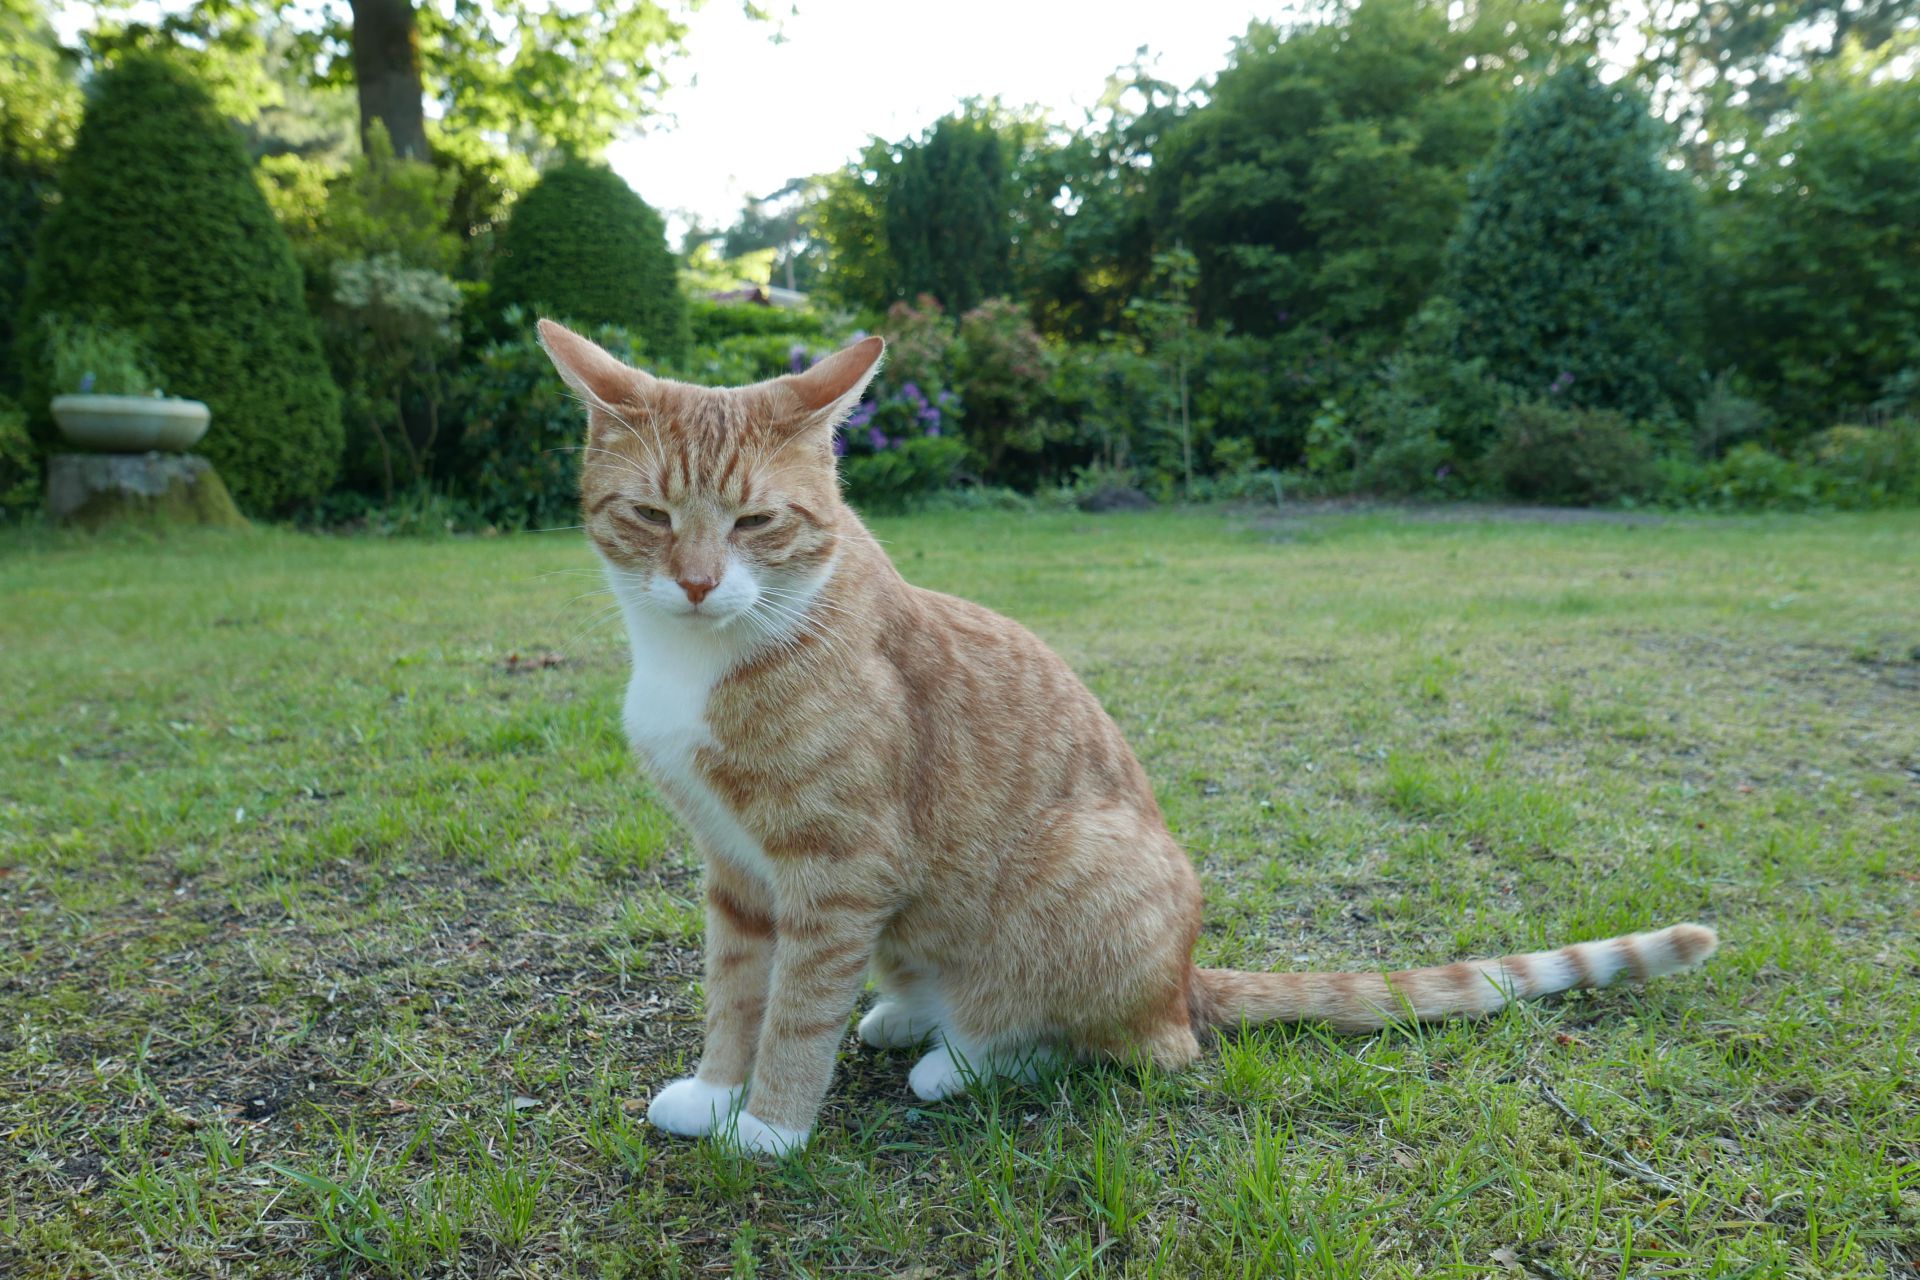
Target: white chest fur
675 669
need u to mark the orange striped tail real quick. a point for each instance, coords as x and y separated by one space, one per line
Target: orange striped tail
1466 988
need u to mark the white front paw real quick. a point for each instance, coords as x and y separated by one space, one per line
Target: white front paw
751 1133
692 1108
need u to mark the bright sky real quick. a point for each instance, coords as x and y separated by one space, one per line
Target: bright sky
746 113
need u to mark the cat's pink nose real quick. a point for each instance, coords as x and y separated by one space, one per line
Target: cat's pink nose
696 585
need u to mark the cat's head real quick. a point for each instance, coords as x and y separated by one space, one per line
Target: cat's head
712 504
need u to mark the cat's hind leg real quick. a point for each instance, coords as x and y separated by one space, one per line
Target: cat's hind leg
898 1024
907 1012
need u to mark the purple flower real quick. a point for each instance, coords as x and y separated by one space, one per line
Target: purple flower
930 414
912 392
797 358
839 445
944 397
1560 383
86 382
933 428
861 416
876 437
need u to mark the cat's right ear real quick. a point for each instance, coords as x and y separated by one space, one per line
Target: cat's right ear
597 376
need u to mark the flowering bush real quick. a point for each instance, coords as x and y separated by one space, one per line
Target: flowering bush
899 445
1001 368
918 335
895 417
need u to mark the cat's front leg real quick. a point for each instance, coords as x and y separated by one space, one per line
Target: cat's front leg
739 958
822 946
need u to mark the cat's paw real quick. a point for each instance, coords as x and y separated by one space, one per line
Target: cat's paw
750 1133
894 1024
692 1108
937 1075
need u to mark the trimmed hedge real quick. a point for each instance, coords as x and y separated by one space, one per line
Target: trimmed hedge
162 230
583 248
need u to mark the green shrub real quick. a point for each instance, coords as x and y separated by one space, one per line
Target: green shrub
1862 467
1109 395
1573 268
1428 421
1749 478
19 464
713 322
1848 468
1565 454
1724 417
391 332
518 465
96 358
1244 389
162 231
901 477
582 247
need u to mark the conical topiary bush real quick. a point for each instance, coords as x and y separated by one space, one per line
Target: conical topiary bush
1573 272
582 247
161 230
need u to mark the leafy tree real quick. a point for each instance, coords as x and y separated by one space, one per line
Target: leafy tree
849 221
946 211
924 216
1574 269
1322 176
552 78
39 106
1084 228
162 231
1817 296
583 247
1165 320
1728 71
779 222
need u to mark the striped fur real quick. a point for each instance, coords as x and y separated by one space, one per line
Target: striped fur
891 783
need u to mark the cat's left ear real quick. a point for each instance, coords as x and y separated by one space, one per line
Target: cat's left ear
829 391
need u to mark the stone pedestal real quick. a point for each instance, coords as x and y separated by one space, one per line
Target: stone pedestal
93 489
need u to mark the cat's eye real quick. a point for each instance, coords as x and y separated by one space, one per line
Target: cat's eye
752 522
652 515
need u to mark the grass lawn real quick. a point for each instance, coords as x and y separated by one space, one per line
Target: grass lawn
338 934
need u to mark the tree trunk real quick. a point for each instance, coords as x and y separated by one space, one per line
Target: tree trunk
386 70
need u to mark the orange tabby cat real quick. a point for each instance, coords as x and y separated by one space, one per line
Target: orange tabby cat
887 781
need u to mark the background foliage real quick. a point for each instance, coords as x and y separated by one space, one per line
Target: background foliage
162 230
1392 247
